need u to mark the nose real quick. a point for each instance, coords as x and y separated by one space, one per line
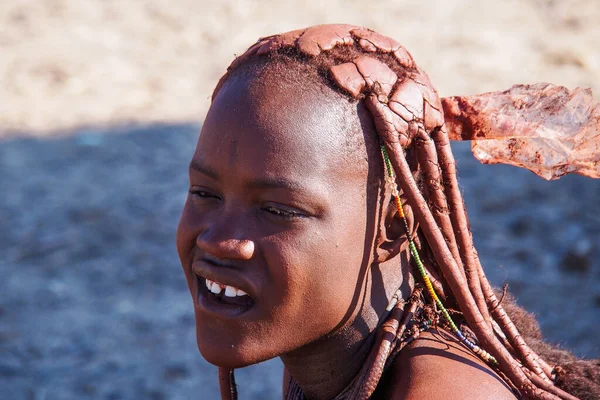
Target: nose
226 248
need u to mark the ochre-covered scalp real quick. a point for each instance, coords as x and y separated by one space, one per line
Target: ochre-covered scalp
408 116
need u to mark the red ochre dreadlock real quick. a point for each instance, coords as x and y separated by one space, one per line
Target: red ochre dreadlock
409 116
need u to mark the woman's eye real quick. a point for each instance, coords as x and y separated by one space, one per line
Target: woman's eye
202 194
283 213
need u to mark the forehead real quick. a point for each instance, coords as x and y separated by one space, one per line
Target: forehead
268 121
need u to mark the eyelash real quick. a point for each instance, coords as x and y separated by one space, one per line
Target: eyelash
202 194
278 212
287 214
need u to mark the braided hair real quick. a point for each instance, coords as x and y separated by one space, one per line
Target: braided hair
408 116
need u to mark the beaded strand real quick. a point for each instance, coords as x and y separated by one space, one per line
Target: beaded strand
390 178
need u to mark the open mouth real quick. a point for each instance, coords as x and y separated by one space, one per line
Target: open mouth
223 299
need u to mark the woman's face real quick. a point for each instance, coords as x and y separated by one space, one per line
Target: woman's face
277 220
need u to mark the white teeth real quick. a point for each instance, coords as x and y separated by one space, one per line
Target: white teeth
230 291
216 289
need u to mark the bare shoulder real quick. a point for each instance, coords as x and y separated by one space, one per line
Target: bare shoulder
438 366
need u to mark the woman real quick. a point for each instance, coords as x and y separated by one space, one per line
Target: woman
325 226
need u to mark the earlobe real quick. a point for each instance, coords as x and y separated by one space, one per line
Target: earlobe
392 236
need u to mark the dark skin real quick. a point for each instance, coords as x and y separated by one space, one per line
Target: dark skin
437 366
280 209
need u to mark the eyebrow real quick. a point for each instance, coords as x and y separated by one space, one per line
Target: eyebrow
197 166
278 183
262 183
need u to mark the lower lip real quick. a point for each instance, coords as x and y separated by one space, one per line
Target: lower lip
211 305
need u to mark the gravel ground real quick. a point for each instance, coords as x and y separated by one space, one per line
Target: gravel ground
94 304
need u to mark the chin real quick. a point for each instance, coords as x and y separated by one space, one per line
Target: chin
227 357
225 352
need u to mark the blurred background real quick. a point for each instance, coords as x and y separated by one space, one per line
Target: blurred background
100 105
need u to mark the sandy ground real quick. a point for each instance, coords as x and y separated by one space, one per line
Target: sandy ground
70 63
100 104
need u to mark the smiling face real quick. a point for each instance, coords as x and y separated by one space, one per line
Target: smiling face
279 208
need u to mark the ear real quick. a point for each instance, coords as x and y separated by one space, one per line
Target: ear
392 238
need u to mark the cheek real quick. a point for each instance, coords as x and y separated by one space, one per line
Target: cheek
349 253
186 233
320 275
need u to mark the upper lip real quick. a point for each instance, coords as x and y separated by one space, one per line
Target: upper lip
223 272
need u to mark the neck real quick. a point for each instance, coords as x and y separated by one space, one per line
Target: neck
324 368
